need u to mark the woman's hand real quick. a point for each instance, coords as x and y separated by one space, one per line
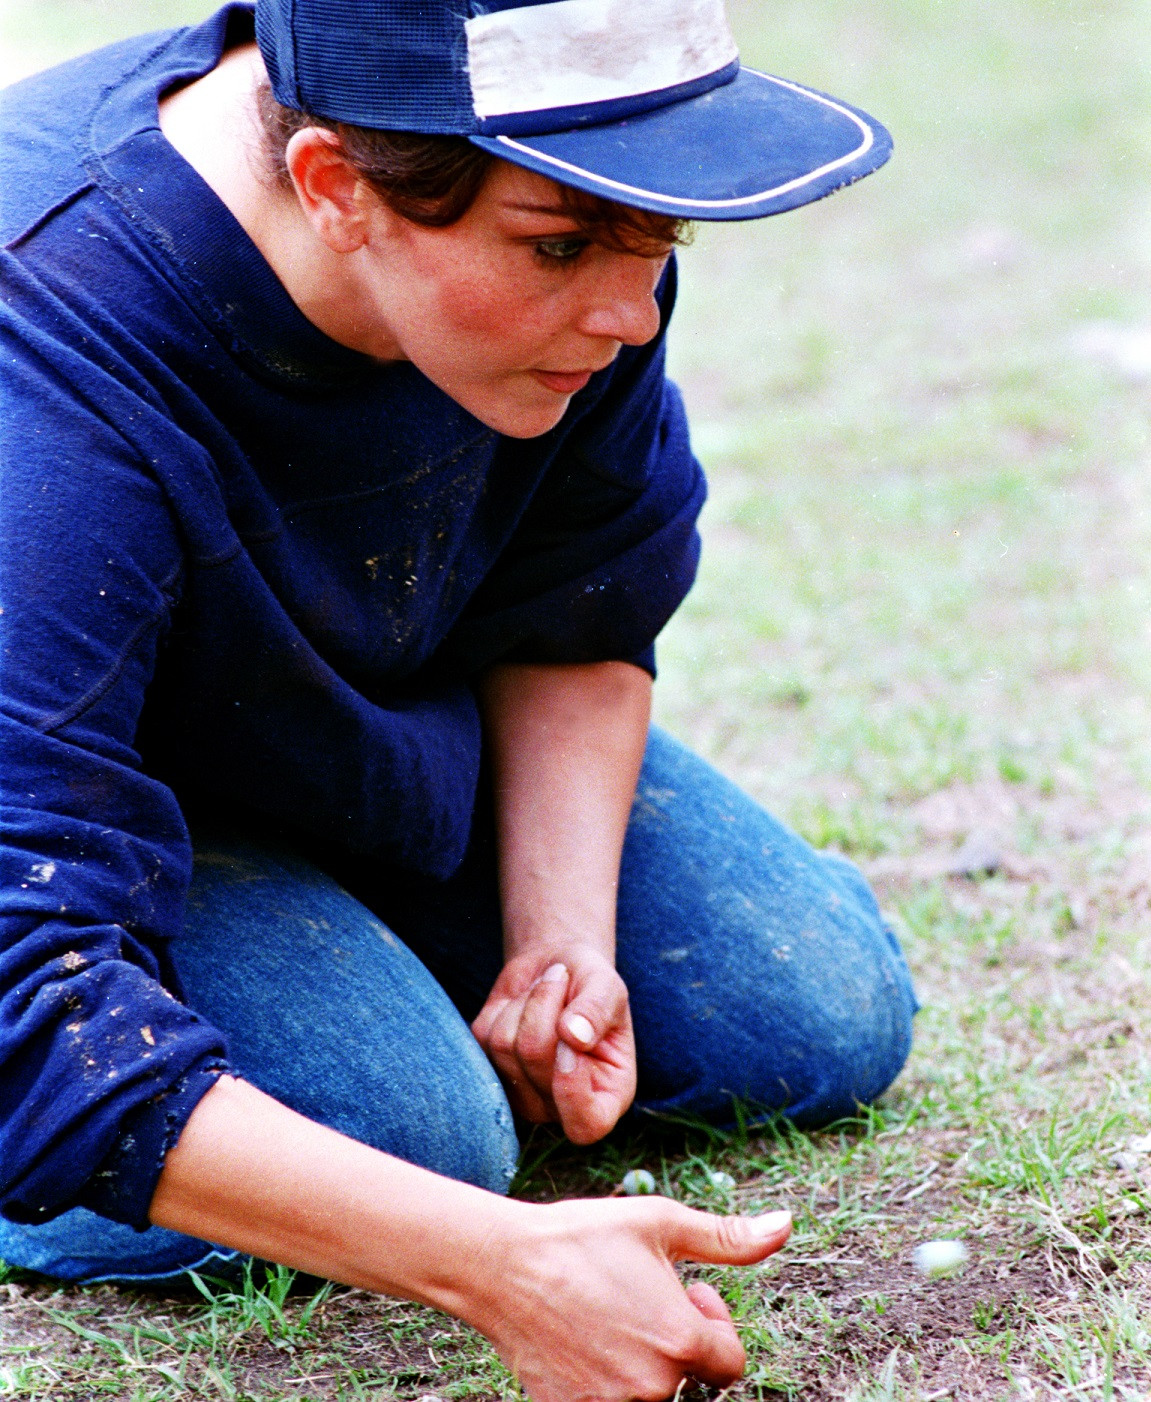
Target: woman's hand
557 1028
587 1306
580 1298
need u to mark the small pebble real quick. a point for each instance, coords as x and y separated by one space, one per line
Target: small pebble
637 1182
936 1258
1135 1156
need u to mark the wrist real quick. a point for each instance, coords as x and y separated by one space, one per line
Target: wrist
464 1266
549 940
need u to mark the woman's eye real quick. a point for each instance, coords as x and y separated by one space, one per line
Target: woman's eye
560 250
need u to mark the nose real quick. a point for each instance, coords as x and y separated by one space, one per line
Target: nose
622 305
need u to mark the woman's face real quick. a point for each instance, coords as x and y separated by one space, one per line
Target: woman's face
510 310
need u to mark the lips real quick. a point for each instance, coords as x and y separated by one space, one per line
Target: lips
563 381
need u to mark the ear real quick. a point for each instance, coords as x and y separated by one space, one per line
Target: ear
331 193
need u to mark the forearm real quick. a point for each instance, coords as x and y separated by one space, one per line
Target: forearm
580 1298
251 1174
567 743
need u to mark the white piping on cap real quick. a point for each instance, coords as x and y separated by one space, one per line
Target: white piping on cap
613 188
571 52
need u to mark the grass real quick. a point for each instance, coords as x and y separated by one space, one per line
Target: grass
922 615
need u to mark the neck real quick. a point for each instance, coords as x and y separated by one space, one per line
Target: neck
214 125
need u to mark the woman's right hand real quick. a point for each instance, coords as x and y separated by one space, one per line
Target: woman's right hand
580 1298
582 1301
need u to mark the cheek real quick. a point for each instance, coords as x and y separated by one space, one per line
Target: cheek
498 316
475 311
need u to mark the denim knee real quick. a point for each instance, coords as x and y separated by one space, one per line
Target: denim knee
79 1246
884 1016
759 969
815 1050
460 1127
326 1010
823 1048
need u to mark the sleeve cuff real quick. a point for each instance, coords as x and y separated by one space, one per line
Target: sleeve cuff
123 1186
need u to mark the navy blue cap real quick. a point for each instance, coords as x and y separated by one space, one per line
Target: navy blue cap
640 101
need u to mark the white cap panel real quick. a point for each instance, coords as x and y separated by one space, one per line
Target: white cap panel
571 52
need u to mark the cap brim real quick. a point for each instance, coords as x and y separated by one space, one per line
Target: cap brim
755 146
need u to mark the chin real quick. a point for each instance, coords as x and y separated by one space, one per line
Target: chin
522 421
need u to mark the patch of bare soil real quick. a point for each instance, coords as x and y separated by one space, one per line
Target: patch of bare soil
949 1334
1027 835
883 1306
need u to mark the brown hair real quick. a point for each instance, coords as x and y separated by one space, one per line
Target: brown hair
433 180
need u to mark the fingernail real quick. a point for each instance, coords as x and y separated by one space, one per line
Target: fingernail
566 1060
555 973
580 1028
769 1223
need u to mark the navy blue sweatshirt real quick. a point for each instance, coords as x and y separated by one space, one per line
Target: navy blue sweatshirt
240 561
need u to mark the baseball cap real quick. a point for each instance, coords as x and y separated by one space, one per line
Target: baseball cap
643 102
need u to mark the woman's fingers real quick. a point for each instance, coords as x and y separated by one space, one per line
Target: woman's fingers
563 1043
708 1301
536 1035
717 1357
487 1017
594 1080
583 1121
595 1064
526 1100
721 1357
521 1041
599 1311
591 1092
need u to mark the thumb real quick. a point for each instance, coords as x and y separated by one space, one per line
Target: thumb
597 1002
727 1241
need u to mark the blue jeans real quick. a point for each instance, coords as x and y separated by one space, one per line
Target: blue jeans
757 968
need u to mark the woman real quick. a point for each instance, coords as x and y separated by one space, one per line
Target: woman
344 498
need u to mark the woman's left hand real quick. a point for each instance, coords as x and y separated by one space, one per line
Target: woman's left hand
557 1028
